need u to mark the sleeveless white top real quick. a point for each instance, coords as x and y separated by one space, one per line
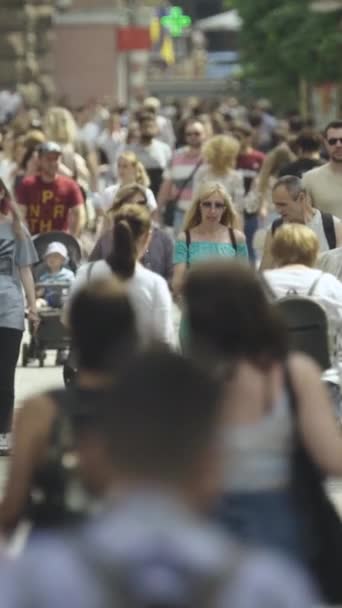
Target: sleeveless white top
258 455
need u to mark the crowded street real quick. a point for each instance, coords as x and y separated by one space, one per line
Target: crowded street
170 304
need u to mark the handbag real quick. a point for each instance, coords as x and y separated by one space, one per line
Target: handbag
171 205
322 529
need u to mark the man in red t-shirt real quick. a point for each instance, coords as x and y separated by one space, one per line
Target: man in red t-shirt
50 201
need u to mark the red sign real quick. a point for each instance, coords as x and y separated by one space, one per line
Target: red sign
133 39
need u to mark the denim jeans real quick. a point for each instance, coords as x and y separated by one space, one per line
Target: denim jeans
251 226
266 519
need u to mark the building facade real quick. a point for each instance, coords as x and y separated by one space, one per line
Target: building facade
26 38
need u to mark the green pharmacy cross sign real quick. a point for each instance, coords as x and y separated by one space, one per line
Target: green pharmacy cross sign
176 22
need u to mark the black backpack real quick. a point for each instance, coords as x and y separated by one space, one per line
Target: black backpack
307 325
328 227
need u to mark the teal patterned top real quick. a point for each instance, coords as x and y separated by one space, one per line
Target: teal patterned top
203 250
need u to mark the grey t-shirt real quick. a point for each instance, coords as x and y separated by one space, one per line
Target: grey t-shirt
15 253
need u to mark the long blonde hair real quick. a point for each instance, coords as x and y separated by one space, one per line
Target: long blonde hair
141 176
220 153
193 217
60 126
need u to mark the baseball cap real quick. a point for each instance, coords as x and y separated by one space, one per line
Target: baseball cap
57 247
49 146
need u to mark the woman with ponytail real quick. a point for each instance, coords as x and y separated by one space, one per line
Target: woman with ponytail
17 254
148 291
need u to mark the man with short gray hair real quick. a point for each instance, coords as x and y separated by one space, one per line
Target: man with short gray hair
294 205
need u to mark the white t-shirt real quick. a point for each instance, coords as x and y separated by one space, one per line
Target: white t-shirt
328 293
316 225
328 290
105 200
149 295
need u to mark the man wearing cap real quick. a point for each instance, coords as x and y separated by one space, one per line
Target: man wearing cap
50 201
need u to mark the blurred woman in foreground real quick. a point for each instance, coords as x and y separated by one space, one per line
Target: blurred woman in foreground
49 426
270 393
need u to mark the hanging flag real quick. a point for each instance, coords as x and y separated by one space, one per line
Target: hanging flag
162 42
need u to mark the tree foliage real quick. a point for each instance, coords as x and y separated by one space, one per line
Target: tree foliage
283 42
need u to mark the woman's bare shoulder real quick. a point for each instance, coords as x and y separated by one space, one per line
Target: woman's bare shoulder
240 237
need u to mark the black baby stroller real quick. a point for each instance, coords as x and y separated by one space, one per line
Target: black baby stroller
51 333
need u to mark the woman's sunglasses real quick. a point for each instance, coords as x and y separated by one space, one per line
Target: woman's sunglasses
212 205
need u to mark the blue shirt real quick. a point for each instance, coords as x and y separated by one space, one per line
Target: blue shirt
160 551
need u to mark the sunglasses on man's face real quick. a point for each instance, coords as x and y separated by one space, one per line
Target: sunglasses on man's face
334 140
193 134
212 205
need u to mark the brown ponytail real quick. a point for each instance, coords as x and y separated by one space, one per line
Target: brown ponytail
131 222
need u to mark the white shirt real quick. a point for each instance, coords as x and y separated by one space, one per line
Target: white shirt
149 295
105 200
328 291
316 225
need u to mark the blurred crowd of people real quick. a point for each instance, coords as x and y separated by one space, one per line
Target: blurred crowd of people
184 466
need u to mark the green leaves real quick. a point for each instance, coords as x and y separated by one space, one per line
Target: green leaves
283 41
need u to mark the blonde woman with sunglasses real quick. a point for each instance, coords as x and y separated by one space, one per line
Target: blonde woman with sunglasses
208 232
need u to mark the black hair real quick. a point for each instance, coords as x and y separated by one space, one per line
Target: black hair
229 315
308 140
131 222
103 326
166 416
334 124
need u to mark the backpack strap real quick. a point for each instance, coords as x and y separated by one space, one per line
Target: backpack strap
232 238
188 243
276 224
329 229
89 270
314 285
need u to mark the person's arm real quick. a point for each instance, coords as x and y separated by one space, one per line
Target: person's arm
76 216
164 193
180 265
338 233
168 255
23 212
32 425
30 293
242 251
76 221
21 198
267 261
163 329
320 430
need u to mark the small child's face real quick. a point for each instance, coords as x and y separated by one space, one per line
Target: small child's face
54 261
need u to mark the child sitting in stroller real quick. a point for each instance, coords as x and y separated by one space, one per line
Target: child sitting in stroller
55 257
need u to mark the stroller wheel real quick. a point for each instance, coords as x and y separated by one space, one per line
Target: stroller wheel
69 374
25 355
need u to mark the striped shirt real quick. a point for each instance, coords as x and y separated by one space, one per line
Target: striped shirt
180 168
